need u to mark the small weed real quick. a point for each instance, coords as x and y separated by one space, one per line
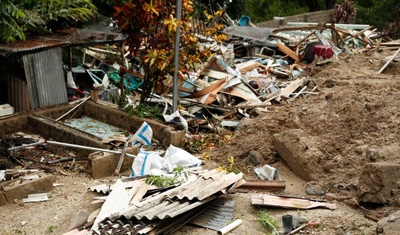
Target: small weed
163 181
230 167
206 157
17 231
268 222
51 228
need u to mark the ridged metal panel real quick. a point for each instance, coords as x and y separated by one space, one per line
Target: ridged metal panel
255 33
183 198
68 38
216 216
45 78
18 94
213 184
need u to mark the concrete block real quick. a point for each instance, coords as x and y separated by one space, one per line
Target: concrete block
300 152
19 189
389 225
378 181
101 164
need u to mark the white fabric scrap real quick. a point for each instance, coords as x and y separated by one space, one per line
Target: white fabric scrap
267 172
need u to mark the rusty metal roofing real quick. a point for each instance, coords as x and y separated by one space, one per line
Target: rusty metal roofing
72 37
255 33
183 198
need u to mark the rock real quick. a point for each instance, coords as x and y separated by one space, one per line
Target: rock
389 225
243 124
300 152
339 230
315 190
254 158
377 182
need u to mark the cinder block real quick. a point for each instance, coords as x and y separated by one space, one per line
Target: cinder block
19 189
103 164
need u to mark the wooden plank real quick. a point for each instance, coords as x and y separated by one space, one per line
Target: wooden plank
282 47
216 74
289 89
290 203
139 195
388 62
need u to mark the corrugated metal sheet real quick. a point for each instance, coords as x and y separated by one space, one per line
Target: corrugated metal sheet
183 198
18 94
255 33
217 216
45 78
71 37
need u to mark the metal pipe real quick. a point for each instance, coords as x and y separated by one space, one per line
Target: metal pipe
176 56
87 147
25 146
77 106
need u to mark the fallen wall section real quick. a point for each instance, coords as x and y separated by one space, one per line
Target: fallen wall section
300 152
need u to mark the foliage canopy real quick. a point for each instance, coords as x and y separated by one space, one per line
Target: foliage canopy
18 17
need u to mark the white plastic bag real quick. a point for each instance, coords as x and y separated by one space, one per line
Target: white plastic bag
149 163
179 157
144 134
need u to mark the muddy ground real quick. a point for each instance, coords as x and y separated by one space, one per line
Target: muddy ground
356 111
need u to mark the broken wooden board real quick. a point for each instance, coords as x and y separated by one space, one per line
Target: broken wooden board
282 47
247 66
388 62
289 89
216 74
242 91
289 203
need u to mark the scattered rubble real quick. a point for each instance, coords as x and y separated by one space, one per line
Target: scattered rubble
255 70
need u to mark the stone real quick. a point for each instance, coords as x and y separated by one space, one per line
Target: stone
254 158
377 181
300 152
315 190
243 124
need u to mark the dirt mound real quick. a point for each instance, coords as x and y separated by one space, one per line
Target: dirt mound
355 112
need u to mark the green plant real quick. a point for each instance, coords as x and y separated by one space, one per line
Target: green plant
267 221
231 166
18 231
21 16
150 27
163 181
51 228
145 111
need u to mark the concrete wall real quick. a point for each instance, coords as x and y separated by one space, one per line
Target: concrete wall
315 17
165 134
43 122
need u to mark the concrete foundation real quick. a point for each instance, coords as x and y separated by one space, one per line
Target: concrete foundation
19 189
101 164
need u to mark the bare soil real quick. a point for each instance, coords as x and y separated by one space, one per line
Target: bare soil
356 110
